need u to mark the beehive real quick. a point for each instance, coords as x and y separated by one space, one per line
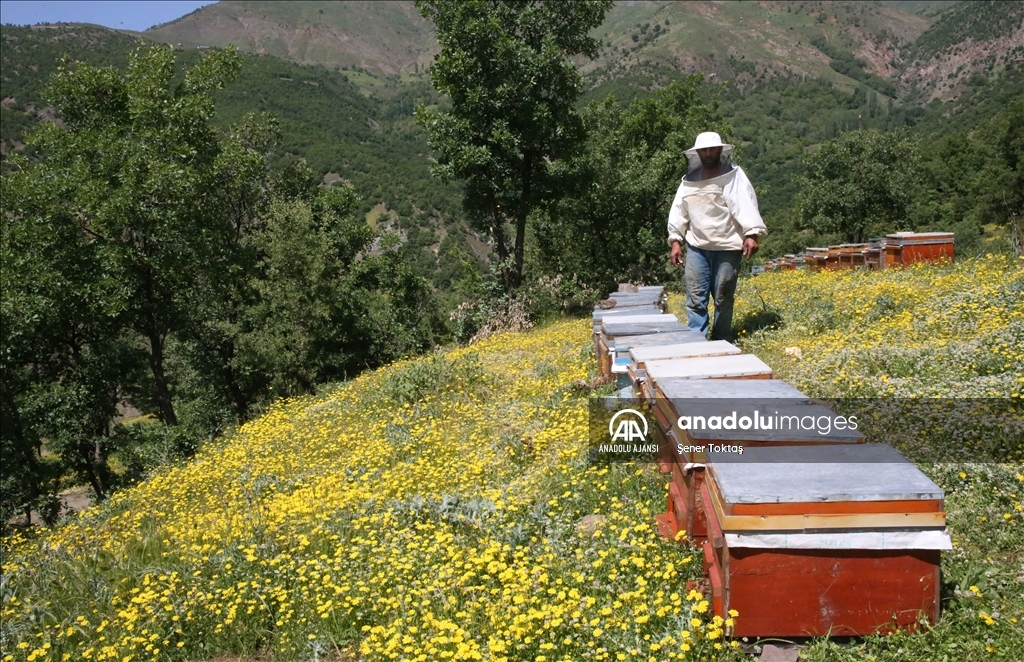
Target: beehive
827 540
904 248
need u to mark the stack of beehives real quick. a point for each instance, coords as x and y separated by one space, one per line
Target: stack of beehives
893 250
808 530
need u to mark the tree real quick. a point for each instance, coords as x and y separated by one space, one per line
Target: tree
297 333
145 177
507 70
62 350
134 206
859 185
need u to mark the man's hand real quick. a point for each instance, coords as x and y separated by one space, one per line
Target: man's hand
750 246
677 254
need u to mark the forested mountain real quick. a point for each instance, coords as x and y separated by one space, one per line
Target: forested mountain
968 44
325 121
344 78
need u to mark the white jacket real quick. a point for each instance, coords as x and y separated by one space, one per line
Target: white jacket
717 213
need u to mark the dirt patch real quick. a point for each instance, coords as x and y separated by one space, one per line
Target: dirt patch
72 501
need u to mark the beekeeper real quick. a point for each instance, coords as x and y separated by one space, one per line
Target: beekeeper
715 214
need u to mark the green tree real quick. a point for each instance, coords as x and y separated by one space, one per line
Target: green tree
1004 199
506 67
145 176
298 331
134 209
63 353
859 185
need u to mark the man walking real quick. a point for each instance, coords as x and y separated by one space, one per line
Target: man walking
715 214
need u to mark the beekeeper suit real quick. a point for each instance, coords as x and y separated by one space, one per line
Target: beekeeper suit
715 215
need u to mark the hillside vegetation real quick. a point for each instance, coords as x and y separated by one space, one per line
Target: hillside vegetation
443 507
337 248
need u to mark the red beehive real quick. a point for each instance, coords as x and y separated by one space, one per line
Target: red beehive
910 247
828 540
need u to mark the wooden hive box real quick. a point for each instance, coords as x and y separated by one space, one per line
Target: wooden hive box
911 247
618 325
828 540
684 510
816 257
874 255
619 347
851 255
599 315
638 356
686 451
832 258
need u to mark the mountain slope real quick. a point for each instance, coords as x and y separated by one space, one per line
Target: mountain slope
751 40
28 58
974 38
388 37
742 40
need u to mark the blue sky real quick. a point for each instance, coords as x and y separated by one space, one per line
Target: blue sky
124 15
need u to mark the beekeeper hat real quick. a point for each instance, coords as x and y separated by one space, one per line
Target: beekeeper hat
708 139
704 140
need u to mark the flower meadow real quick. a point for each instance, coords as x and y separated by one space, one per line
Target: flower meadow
442 507
427 511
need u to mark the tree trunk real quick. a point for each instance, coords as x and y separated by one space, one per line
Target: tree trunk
498 232
237 397
517 266
156 365
521 213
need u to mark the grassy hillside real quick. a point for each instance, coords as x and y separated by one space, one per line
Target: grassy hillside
386 37
443 507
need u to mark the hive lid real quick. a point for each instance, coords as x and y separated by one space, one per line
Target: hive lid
793 474
707 367
682 350
599 315
928 539
649 297
644 340
723 389
629 328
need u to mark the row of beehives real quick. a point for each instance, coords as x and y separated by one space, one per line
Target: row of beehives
886 252
804 533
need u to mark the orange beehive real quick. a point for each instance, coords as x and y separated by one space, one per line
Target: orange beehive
832 258
849 548
816 257
904 248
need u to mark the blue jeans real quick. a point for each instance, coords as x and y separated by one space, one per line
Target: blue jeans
711 273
